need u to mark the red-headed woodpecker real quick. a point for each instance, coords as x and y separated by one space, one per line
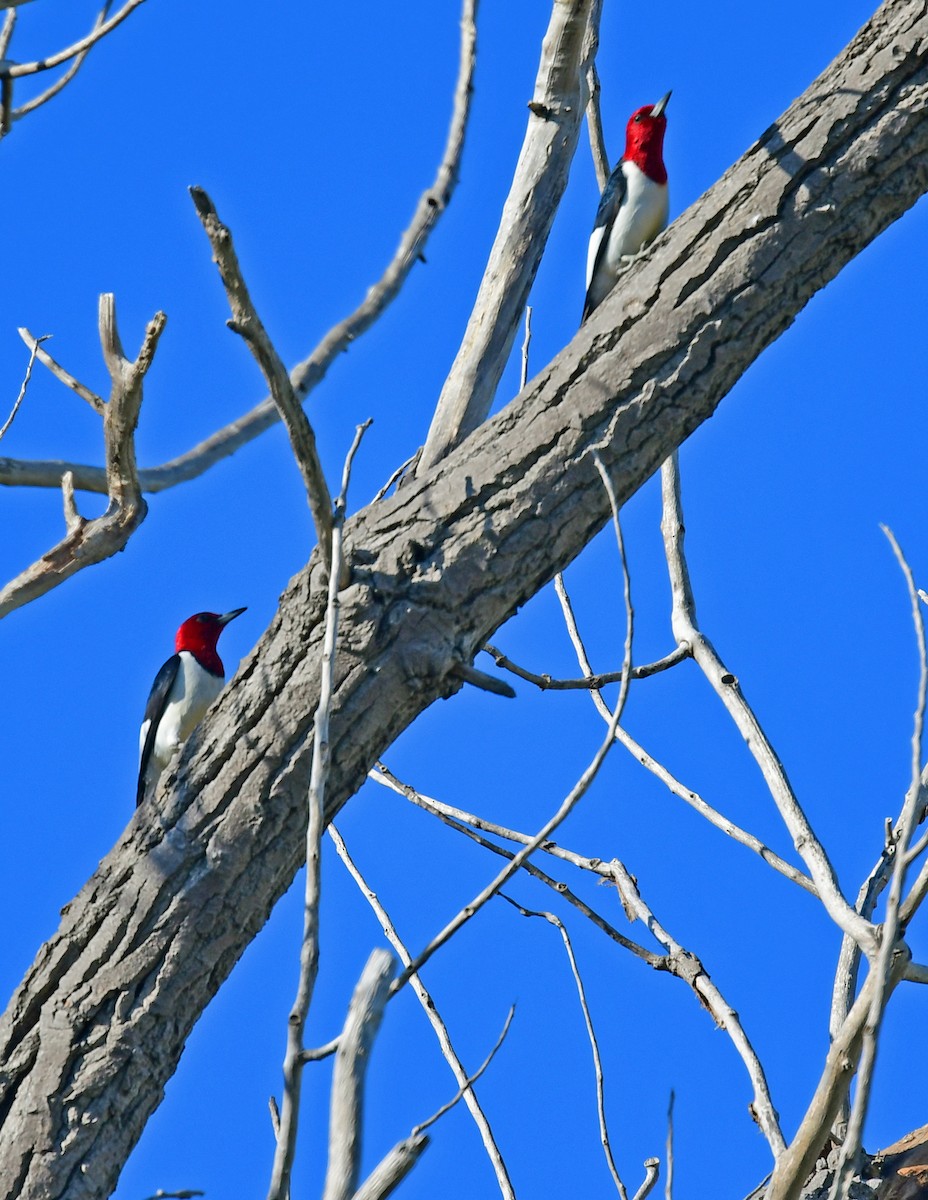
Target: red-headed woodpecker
633 208
183 690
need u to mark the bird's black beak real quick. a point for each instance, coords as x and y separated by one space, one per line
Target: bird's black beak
658 108
230 616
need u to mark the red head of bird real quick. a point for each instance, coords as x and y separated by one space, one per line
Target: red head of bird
199 635
644 139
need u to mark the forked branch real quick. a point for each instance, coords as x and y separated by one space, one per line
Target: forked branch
75 54
725 684
92 541
465 1082
312 370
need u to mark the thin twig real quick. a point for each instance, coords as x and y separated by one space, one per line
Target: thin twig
89 542
183 1194
22 391
668 1181
594 125
743 836
589 683
318 1053
396 476
526 343
563 812
471 1079
246 322
65 79
6 84
892 928
591 1034
97 403
306 375
431 1012
594 122
690 797
725 684
309 951
19 70
848 968
460 821
73 520
696 975
678 962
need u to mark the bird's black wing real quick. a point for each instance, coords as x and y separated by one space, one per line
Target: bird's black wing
154 711
609 204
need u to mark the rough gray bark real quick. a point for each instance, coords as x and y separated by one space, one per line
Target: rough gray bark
98 1024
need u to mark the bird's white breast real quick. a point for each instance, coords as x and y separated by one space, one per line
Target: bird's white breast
641 217
193 691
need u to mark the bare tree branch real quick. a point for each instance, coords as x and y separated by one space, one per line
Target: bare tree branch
471 1079
692 970
456 819
892 928
589 683
847 970
97 403
652 1169
678 961
20 70
25 383
686 794
346 1113
392 1170
246 322
61 83
467 823
435 1020
556 112
311 371
594 124
577 792
591 1035
6 32
725 684
90 541
796 1162
295 1059
526 343
183 1194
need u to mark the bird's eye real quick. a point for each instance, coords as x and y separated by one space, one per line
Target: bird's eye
638 117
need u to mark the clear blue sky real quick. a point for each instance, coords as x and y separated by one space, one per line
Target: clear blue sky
315 128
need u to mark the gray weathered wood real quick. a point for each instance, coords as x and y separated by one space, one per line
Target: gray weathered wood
555 118
346 1109
98 1024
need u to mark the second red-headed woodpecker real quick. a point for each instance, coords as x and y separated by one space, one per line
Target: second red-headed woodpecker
183 690
633 209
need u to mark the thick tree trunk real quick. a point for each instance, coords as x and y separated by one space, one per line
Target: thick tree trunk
99 1023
